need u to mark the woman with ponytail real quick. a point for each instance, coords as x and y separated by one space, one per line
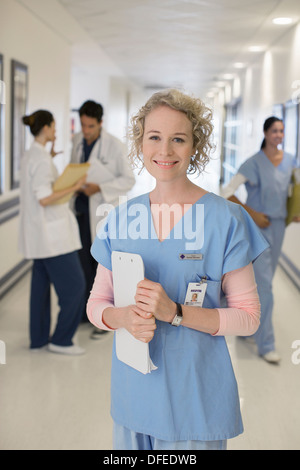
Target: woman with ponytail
49 236
266 176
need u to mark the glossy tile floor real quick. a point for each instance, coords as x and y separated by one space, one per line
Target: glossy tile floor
49 401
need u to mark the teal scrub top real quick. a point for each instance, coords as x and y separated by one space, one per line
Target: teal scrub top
193 394
267 185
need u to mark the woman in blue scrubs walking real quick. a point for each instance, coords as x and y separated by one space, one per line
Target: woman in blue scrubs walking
267 176
190 240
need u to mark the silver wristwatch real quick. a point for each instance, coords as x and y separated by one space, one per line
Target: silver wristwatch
178 317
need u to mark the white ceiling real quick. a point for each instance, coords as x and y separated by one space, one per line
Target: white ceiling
181 43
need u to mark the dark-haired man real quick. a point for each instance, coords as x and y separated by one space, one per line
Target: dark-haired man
109 177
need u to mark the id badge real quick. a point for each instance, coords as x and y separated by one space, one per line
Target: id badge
195 293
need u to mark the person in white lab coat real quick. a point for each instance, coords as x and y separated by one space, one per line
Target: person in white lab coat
49 236
109 177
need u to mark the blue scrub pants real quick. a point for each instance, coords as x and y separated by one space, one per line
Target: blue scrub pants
88 263
264 269
124 439
66 274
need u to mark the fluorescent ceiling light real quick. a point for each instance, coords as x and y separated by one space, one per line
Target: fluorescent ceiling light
227 76
256 48
239 65
282 21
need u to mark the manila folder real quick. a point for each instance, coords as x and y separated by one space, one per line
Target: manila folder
128 271
293 202
72 173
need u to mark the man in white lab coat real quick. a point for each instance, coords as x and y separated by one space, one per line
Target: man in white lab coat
108 178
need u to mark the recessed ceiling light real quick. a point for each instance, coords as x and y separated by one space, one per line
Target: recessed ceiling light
227 76
239 65
282 21
256 48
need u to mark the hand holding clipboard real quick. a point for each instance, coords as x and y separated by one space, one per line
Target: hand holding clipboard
128 271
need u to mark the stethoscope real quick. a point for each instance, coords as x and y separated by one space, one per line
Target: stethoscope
80 151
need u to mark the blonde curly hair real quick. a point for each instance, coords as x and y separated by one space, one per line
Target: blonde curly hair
199 115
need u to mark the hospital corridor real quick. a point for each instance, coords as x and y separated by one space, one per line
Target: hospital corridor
166 132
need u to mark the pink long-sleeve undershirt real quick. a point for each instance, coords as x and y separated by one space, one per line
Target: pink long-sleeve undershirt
240 318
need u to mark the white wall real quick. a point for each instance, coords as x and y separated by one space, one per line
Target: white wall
25 38
124 100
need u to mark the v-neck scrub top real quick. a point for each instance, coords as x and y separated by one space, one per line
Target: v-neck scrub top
193 394
266 184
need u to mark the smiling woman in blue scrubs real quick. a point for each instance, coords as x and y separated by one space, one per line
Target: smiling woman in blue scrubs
191 400
267 176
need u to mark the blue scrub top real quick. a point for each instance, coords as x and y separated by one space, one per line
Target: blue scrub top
193 394
267 185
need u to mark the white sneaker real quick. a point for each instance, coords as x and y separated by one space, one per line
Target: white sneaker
70 350
272 357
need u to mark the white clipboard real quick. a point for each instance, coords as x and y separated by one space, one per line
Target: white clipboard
128 271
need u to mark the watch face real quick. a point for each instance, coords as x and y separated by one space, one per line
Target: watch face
178 317
177 320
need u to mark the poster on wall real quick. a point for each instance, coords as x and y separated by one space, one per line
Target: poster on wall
2 103
19 91
74 122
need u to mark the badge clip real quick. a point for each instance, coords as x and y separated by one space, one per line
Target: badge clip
191 256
